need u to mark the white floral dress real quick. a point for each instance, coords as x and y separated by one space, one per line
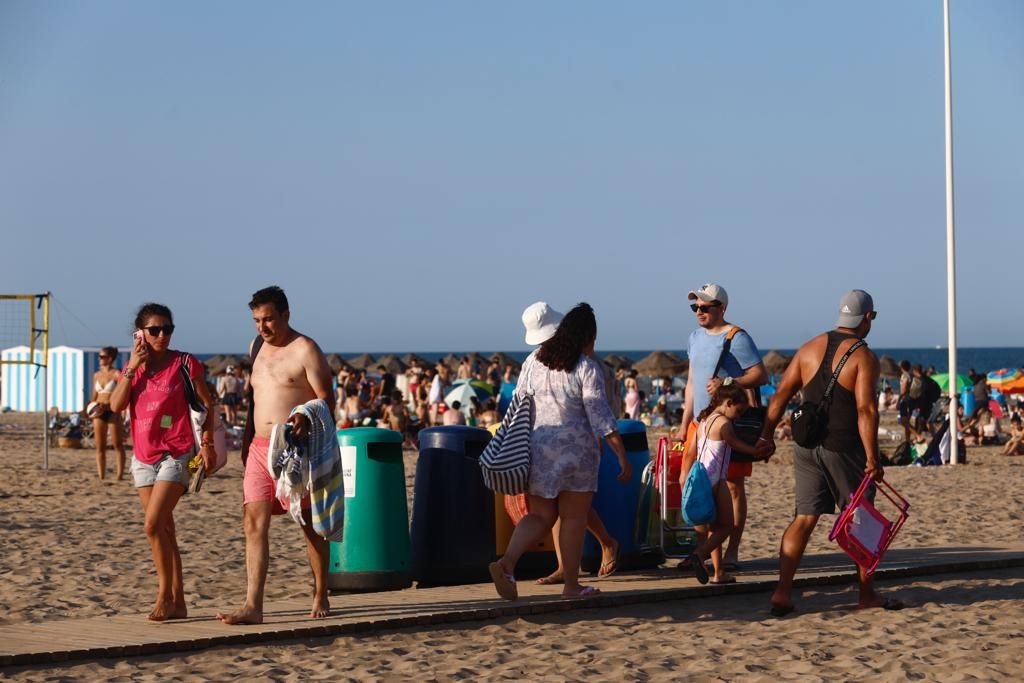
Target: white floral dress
572 414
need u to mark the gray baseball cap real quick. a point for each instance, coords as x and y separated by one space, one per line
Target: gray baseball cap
854 305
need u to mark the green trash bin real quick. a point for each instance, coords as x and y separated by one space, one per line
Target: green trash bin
374 553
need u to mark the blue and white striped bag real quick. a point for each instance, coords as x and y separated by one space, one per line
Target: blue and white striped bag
505 462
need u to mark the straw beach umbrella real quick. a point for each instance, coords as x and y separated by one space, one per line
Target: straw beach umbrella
451 360
505 359
214 361
337 363
361 362
393 364
617 361
660 363
411 358
889 367
775 363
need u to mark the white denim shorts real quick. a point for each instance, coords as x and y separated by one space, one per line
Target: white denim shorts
173 468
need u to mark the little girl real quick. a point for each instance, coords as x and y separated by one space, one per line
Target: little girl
713 445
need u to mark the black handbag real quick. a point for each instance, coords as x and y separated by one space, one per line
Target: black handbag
810 420
747 426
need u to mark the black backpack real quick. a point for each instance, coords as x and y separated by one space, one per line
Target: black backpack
902 455
931 391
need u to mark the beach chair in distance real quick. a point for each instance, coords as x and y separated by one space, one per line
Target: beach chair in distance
864 532
675 538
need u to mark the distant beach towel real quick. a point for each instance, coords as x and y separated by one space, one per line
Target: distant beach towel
315 470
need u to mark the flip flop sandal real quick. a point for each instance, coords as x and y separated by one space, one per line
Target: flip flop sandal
779 611
552 580
504 583
725 580
604 572
888 604
732 567
699 569
585 592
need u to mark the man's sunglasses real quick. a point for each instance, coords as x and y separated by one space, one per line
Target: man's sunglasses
102 357
705 308
872 315
155 330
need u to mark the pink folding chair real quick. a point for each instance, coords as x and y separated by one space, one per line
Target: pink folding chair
864 532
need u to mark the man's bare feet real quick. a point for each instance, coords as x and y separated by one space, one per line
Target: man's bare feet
163 611
246 615
321 608
884 603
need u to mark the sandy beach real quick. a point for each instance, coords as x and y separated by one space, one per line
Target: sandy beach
74 547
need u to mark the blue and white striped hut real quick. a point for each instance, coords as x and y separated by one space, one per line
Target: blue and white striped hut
68 378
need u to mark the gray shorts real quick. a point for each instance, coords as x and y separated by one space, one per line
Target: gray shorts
168 468
826 479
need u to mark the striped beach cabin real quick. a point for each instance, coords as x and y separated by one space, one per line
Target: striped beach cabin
69 378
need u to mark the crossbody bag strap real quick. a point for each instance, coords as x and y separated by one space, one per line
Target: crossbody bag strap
249 433
726 346
839 368
700 451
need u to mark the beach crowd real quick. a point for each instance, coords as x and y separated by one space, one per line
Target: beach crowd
576 398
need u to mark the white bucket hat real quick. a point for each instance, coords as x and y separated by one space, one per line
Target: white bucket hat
540 321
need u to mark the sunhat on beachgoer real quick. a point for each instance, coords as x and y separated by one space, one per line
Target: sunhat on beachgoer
540 321
710 292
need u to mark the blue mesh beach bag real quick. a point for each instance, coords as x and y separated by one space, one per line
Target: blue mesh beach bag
698 499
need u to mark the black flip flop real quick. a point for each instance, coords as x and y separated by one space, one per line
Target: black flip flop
699 570
780 611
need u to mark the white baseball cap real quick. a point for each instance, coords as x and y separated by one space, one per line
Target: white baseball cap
710 292
540 321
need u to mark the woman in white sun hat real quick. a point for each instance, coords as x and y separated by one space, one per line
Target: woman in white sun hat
572 414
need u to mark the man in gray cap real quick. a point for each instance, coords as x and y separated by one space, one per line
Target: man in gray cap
827 474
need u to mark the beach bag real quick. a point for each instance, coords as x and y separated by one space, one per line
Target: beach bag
810 419
505 462
698 505
197 417
902 455
748 426
916 387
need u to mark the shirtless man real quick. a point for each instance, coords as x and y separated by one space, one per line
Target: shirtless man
290 369
825 476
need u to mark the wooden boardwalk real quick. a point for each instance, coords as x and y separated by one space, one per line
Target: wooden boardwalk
132 635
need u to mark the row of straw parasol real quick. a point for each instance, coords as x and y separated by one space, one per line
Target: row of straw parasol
655 364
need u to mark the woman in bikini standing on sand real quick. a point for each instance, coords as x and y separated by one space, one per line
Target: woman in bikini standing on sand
152 388
104 419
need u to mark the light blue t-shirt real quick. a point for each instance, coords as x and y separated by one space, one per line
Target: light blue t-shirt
704 349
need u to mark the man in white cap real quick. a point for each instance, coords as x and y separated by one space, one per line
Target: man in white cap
711 365
541 321
826 475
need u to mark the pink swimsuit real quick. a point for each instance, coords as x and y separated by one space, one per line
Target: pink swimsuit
714 455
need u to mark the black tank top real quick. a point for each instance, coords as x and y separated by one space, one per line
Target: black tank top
842 436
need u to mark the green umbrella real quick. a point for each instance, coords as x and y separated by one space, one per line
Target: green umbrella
962 381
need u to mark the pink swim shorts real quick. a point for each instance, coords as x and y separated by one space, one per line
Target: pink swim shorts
257 485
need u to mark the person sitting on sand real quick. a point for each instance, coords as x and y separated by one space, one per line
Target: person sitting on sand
1015 446
713 447
289 370
826 476
153 390
105 420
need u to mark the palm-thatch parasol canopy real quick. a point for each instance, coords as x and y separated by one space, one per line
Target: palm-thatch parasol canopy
617 361
337 363
393 364
361 362
660 363
505 359
889 367
214 361
410 358
451 360
775 363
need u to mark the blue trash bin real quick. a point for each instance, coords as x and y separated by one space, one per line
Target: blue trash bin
967 401
452 511
623 507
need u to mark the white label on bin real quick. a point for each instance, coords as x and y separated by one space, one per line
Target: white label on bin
348 470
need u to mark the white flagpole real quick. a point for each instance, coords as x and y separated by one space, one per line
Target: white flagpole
950 248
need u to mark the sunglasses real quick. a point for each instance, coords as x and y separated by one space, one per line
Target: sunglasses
872 315
705 308
102 357
155 330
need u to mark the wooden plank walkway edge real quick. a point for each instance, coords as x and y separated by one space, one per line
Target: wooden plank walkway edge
54 651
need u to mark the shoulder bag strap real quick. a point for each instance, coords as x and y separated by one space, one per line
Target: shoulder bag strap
839 368
250 421
726 345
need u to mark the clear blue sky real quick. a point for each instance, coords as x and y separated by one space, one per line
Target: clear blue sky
415 174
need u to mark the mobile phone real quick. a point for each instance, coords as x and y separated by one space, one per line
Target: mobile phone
138 337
